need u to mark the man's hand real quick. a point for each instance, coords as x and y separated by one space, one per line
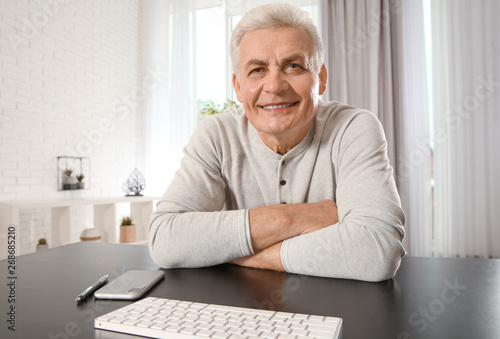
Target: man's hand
269 258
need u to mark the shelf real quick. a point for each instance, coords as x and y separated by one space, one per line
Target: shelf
105 218
79 165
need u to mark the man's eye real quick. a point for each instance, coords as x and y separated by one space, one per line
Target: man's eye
256 70
295 67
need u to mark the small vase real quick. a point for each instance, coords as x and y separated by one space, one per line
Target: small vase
80 185
127 233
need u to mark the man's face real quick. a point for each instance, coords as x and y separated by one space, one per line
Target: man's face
277 84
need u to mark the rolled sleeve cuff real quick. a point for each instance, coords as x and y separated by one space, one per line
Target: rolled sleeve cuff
245 238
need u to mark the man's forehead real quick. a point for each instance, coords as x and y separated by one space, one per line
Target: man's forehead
275 43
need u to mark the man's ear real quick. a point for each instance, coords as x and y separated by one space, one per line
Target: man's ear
323 78
236 85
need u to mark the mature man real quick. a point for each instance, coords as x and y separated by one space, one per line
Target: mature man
286 182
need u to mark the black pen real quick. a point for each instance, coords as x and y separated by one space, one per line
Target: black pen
91 289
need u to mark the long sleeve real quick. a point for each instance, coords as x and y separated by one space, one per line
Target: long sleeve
190 227
227 170
366 243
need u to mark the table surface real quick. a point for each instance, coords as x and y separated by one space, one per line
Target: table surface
428 298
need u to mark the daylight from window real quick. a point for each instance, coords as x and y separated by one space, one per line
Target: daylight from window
210 55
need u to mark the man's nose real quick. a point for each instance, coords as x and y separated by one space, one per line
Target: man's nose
275 82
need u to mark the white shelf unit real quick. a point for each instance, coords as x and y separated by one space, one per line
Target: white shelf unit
105 218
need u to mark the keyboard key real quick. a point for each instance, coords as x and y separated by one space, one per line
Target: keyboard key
117 320
237 336
269 334
279 318
203 326
316 317
300 316
322 328
282 330
189 330
131 322
235 330
249 326
197 306
299 332
253 333
298 326
319 334
265 328
286 336
219 322
205 333
158 326
221 335
219 329
173 328
281 324
266 323
147 318
145 324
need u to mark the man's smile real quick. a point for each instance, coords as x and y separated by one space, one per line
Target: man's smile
278 106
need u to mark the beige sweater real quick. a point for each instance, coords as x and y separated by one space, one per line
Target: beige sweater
202 219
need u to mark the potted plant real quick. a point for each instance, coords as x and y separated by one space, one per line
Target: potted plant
68 180
211 108
80 184
42 245
127 230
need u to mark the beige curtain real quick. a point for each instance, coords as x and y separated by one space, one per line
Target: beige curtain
364 53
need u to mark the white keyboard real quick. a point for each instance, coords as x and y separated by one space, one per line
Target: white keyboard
167 318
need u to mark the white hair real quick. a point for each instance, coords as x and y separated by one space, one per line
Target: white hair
276 16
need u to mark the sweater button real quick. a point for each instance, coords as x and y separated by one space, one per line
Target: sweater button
283 182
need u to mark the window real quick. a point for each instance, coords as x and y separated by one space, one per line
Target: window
214 25
210 55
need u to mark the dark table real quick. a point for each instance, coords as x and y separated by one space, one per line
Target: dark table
428 298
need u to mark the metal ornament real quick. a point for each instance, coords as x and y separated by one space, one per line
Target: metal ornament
135 184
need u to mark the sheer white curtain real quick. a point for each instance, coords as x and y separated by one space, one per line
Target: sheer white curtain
363 42
466 119
416 166
171 107
456 152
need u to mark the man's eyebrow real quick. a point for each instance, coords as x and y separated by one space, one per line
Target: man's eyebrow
255 62
294 57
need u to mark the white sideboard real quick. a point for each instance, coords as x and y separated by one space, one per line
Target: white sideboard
105 218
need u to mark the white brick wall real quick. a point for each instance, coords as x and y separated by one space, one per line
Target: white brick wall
68 69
